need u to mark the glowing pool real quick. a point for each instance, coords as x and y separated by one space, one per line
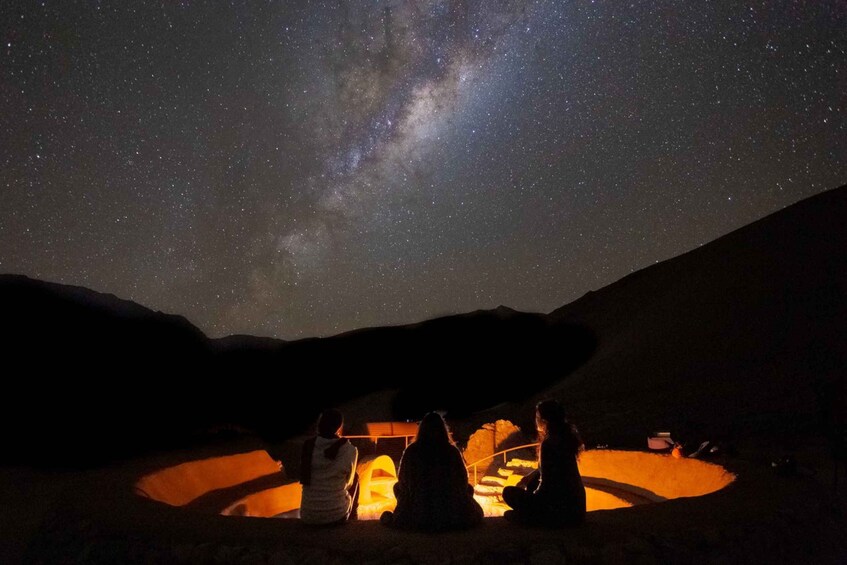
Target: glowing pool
252 484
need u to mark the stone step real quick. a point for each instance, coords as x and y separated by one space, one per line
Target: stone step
524 466
509 481
487 490
492 481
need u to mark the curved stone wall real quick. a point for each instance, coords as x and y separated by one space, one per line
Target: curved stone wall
253 484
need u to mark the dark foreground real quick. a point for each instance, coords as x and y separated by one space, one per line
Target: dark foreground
93 517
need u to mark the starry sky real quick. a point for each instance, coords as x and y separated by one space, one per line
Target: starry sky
297 169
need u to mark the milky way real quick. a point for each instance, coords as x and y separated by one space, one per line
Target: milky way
305 168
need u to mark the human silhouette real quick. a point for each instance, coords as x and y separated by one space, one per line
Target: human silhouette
328 474
432 489
557 497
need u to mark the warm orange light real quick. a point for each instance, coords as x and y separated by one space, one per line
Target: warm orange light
651 476
251 484
181 484
616 479
377 477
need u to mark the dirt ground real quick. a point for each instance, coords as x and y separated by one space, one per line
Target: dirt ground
769 514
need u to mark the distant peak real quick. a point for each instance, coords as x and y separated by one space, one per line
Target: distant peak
504 311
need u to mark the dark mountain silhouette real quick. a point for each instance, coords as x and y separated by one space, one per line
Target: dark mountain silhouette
744 336
241 342
101 377
88 373
440 363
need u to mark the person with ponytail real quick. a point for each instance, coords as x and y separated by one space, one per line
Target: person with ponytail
328 474
557 498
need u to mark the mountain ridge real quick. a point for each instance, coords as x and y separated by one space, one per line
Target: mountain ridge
744 332
752 320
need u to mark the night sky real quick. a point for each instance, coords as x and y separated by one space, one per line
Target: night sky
304 168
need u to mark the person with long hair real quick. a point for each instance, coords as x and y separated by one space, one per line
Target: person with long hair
432 487
557 498
328 474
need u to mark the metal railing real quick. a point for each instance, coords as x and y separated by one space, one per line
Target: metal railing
376 439
475 464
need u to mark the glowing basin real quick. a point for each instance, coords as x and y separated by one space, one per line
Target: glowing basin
251 484
617 479
636 477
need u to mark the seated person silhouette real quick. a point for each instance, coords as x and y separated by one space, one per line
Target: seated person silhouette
328 474
432 489
555 495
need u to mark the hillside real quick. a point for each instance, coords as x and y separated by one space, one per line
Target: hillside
88 371
103 378
744 336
